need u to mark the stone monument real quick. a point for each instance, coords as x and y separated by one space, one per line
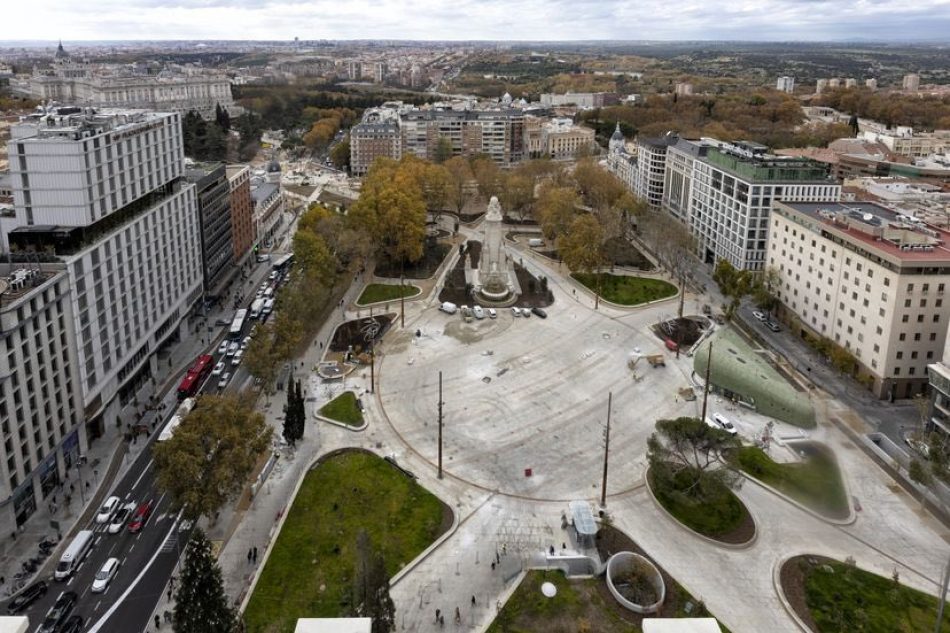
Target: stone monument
494 267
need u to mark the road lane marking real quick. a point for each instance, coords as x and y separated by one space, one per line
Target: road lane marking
144 470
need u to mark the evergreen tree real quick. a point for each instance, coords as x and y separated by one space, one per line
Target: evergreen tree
290 415
371 597
301 417
201 605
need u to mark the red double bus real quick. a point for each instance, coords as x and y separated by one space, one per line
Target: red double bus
195 376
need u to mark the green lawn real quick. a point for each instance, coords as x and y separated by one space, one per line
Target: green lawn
851 599
626 290
343 409
814 482
374 293
722 514
310 569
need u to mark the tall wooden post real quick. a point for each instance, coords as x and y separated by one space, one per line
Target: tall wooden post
706 386
372 369
402 304
603 485
440 425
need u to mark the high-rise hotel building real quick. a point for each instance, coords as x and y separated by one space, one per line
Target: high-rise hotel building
103 195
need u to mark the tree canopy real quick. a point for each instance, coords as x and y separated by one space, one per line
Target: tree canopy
201 606
209 459
689 450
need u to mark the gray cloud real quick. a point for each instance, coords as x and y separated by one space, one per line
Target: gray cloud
482 19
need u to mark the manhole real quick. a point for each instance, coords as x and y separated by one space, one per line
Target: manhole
486 379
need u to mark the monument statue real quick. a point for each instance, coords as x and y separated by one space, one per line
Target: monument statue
494 276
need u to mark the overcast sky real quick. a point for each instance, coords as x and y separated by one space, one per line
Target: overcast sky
478 19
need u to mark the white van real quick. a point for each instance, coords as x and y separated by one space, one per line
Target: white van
448 307
74 555
535 241
268 293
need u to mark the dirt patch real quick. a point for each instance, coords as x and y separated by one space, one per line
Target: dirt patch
359 332
620 252
792 579
683 331
469 332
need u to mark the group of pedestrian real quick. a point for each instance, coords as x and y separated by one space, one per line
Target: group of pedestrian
252 555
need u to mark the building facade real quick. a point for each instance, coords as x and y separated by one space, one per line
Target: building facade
730 192
785 84
106 194
242 210
213 191
870 281
620 162
498 134
268 211
911 82
41 405
651 167
562 140
369 141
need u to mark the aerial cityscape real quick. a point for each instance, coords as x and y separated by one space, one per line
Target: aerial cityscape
507 318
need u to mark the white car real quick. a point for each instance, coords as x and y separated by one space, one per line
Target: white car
218 369
121 518
225 377
492 314
478 312
516 311
526 313
723 423
233 348
238 355
107 510
223 347
759 315
105 575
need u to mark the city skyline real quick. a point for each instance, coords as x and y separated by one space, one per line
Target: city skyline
551 20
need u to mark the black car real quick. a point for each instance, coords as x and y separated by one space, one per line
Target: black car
60 611
29 595
72 625
539 312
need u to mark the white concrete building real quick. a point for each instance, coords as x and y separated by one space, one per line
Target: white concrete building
651 166
562 140
105 193
869 280
911 82
620 162
728 191
41 406
785 84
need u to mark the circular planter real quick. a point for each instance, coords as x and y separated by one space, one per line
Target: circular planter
623 563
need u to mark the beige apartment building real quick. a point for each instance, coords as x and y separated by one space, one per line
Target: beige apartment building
870 280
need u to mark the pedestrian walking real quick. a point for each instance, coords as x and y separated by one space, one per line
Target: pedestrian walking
255 553
158 622
250 555
493 565
458 616
167 615
169 593
442 621
473 601
438 612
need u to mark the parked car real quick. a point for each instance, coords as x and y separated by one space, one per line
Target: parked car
448 307
759 315
60 610
121 517
478 312
72 625
223 347
238 356
218 369
539 312
723 423
773 326
27 597
233 348
105 575
526 312
107 510
140 518
492 314
516 311
225 378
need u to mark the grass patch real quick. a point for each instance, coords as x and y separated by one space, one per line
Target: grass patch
310 569
719 516
343 409
433 253
815 482
841 597
625 290
374 293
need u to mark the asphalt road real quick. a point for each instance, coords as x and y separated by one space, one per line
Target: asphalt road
149 557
